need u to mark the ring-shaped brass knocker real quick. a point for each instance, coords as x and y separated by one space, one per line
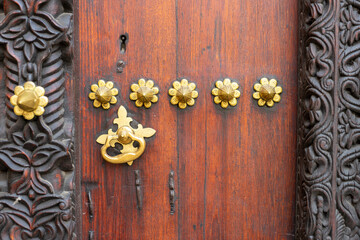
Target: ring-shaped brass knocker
124 135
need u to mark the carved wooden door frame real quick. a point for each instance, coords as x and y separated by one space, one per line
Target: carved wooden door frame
37 199
328 170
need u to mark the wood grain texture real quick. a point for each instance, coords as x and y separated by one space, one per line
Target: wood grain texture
234 168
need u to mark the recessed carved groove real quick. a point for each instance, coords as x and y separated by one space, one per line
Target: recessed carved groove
139 199
328 175
172 192
36 156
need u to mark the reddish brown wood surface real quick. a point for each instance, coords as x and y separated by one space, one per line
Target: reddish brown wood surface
234 168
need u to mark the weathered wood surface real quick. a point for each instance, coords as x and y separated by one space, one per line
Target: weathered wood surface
235 168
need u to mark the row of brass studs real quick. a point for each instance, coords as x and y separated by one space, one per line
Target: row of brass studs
183 93
29 100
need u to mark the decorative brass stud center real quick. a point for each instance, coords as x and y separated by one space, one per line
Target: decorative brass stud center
29 100
226 93
267 92
183 93
144 93
103 94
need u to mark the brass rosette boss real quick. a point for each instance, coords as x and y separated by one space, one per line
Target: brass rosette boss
183 93
144 93
29 100
103 94
267 92
225 93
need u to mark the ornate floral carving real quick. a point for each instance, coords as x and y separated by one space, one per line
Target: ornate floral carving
36 204
328 193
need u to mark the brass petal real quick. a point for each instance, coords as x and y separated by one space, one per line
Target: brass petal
28 115
233 102
113 100
43 101
133 96
234 85
142 82
172 91
257 86
191 102
215 91
276 98
273 82
224 104
217 100
134 87
147 104
106 105
176 85
39 111
154 99
174 100
29 85
270 103
219 84
264 81
97 103
40 91
194 94
256 95
18 90
101 83
149 84
18 111
155 90
261 102
184 82
109 85
92 95
182 105
237 94
227 81
278 89
94 87
13 100
138 103
192 86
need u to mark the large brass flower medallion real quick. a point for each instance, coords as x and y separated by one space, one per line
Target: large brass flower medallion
267 92
226 93
144 93
29 100
183 93
103 94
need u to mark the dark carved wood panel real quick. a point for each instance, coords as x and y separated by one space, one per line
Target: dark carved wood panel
36 156
328 191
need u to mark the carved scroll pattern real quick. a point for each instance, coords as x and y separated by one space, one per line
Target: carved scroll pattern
328 175
37 156
348 169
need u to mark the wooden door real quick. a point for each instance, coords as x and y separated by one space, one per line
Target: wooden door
233 169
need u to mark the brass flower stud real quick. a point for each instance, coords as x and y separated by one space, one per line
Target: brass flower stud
29 100
183 93
267 92
103 94
225 93
144 93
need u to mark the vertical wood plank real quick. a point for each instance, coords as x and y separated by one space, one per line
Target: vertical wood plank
150 53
